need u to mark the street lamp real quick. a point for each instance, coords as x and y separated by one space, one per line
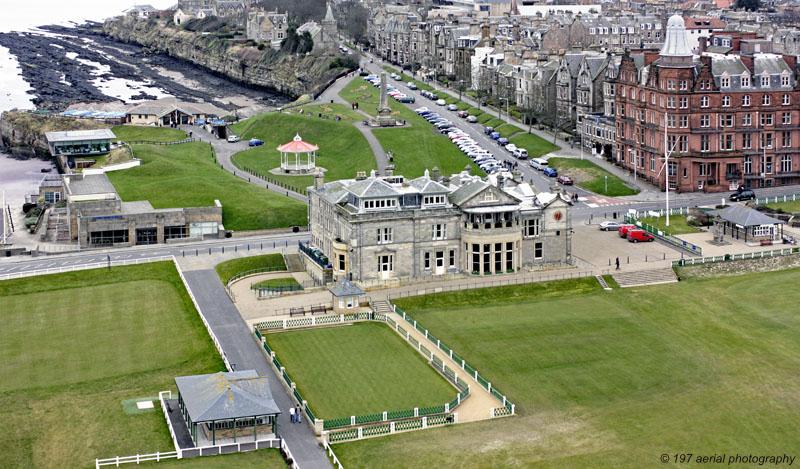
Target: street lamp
79 231
460 88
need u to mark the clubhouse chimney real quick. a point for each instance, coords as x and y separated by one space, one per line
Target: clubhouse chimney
319 179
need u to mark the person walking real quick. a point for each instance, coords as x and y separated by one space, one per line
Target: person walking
298 414
291 409
618 263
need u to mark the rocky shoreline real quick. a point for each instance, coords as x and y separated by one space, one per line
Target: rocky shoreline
62 63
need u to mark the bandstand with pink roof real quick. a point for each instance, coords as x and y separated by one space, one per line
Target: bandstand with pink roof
298 157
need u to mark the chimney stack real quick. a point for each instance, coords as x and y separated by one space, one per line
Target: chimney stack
389 170
319 179
500 181
468 169
436 173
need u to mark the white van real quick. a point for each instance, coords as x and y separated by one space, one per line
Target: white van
521 154
539 164
440 102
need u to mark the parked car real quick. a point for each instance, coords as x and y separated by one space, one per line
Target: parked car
421 110
538 163
494 135
463 114
406 99
624 229
434 96
472 119
746 194
608 225
566 180
634 236
488 130
520 153
548 171
452 107
411 85
502 141
254 142
440 102
510 148
233 138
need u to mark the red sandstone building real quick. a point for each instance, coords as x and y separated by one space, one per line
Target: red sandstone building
732 120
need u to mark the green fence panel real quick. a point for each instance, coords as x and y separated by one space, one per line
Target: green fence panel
449 372
453 404
369 418
258 334
438 420
438 362
425 350
497 394
276 362
267 348
287 378
413 341
408 425
399 414
340 422
469 370
456 358
390 322
401 330
482 381
432 409
310 414
335 437
328 319
444 348
376 430
297 395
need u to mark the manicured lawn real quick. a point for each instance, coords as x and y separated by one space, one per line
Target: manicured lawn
185 176
473 111
462 106
507 130
275 282
417 147
152 134
485 117
343 150
226 270
359 369
263 458
535 145
677 224
591 177
73 346
494 122
617 378
366 95
788 207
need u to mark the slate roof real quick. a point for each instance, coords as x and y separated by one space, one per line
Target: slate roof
427 186
221 396
372 187
467 191
344 288
745 216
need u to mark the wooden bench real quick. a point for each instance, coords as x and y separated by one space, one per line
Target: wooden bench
297 311
766 242
319 309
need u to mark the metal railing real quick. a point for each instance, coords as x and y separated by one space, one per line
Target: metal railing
94 265
151 142
777 199
260 270
735 257
663 235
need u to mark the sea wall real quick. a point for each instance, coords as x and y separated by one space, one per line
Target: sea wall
288 74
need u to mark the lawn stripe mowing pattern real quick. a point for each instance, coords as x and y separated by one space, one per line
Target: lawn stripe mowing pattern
358 369
185 175
590 176
343 150
73 346
417 147
617 378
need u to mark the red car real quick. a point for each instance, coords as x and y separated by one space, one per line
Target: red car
624 229
463 114
634 236
566 180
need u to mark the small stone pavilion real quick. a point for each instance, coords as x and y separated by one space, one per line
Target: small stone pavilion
346 296
305 156
232 407
747 225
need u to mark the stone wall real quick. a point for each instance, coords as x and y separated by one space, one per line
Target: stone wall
747 266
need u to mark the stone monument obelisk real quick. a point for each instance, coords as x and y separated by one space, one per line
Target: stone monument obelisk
385 118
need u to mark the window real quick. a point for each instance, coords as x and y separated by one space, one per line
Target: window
705 143
727 120
176 232
765 80
768 164
785 80
385 263
726 101
531 227
684 85
765 100
385 235
727 142
766 119
786 163
652 162
538 250
704 169
426 256
684 102
379 203
704 101
342 264
786 118
670 84
672 168
683 144
746 100
452 258
643 96
633 93
725 82
439 231
671 121
622 91
745 81
747 165
786 139
786 100
747 140
747 120
433 200
705 120
671 102
766 140
652 98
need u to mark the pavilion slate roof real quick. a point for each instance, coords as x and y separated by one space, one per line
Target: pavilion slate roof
345 288
745 216
222 396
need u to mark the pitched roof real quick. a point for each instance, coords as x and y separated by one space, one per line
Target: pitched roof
467 191
745 216
372 187
297 145
344 288
220 396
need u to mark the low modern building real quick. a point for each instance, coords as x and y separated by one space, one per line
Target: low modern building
390 228
232 407
72 144
97 217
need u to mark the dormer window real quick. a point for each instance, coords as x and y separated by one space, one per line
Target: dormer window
377 204
785 79
725 82
433 200
745 81
764 80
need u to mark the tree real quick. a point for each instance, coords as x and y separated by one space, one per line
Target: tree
352 20
750 5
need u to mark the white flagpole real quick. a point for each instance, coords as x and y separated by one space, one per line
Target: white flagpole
666 163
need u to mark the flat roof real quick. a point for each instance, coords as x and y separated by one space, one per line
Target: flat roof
78 135
89 184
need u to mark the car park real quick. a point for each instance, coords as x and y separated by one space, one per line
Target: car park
510 148
745 194
623 230
254 142
502 141
233 138
440 102
411 85
538 163
519 153
551 172
406 99
463 114
566 180
488 130
494 135
472 119
452 107
634 236
608 225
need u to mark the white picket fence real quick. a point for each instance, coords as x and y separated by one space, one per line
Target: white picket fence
94 265
336 463
169 421
139 458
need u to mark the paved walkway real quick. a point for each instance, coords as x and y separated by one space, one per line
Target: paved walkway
244 352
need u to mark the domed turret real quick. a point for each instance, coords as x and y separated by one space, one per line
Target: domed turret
676 50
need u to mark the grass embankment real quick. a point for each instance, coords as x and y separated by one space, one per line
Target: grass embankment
343 150
275 282
495 122
366 368
616 378
485 117
151 134
261 459
73 346
417 147
536 146
226 270
788 207
507 130
591 177
677 224
185 175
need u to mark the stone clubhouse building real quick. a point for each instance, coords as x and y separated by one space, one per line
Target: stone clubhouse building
389 228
